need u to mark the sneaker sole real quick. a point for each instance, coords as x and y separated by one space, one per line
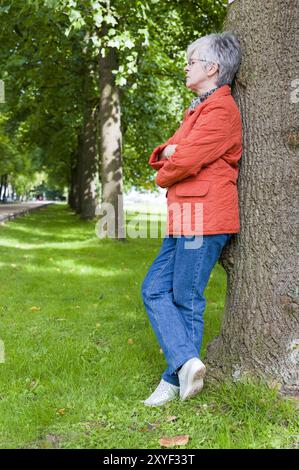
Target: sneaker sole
194 382
159 403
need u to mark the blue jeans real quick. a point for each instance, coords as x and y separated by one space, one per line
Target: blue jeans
173 295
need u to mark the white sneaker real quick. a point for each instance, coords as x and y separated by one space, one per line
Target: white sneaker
191 378
163 393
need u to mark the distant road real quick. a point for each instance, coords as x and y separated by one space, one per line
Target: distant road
10 211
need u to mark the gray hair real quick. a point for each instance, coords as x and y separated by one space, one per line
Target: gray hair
222 48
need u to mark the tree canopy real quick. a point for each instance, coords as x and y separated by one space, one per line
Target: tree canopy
48 47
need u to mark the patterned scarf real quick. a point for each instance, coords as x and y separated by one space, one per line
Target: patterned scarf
199 99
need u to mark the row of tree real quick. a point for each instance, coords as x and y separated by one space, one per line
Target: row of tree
92 86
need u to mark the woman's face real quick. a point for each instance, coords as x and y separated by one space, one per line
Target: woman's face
198 78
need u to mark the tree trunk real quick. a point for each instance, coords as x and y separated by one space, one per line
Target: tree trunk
4 184
260 331
110 145
73 188
1 186
74 191
89 176
88 165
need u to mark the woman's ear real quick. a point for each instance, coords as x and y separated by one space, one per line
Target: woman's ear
212 68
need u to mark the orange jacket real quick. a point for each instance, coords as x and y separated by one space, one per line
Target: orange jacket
203 168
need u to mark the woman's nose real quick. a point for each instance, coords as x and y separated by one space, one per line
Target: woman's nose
186 68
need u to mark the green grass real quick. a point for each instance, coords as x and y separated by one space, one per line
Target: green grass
69 304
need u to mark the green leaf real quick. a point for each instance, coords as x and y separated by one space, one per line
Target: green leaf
110 19
98 19
96 40
129 43
114 42
74 15
120 81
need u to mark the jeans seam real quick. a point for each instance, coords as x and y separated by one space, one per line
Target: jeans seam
193 288
150 289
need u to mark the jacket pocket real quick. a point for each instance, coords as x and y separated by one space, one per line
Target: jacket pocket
198 188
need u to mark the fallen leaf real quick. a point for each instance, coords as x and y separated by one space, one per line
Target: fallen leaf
61 411
174 441
130 341
161 351
171 418
35 309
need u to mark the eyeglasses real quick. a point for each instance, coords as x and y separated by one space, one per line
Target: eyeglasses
192 61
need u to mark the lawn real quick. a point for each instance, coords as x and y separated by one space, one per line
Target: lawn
80 355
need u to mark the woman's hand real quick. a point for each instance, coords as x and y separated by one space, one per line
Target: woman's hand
167 152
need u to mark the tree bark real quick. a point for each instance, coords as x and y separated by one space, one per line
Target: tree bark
74 191
110 144
260 330
4 184
1 186
89 166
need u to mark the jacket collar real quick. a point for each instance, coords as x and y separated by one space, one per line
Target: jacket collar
200 99
224 90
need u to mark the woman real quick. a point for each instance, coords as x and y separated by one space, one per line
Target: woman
199 166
